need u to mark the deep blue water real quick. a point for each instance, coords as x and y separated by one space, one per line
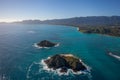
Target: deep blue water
20 60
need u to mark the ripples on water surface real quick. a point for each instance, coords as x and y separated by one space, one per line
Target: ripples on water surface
20 60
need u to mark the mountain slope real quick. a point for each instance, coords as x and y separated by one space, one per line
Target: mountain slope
80 21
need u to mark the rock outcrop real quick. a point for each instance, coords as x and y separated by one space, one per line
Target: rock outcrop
65 62
46 43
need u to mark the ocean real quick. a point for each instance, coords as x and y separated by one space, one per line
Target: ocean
21 60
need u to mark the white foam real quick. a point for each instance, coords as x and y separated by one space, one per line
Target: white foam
43 67
58 44
35 45
78 29
29 69
57 71
69 71
31 31
115 56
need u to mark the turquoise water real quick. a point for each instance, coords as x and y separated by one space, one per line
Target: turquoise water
20 60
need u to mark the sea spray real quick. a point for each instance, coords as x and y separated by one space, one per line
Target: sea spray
115 56
35 45
69 71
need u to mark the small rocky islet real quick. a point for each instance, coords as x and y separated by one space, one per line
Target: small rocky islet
65 62
46 43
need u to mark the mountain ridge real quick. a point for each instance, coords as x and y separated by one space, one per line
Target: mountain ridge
79 21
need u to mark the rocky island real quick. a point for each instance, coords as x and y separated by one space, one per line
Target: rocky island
46 43
65 62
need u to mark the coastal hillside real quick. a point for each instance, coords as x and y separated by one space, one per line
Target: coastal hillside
91 21
108 25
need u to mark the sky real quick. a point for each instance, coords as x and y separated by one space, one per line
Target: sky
17 10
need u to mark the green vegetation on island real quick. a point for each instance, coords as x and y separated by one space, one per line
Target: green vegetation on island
65 62
112 31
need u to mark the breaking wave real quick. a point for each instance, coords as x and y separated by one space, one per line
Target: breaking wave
53 74
35 45
32 69
69 72
115 56
29 68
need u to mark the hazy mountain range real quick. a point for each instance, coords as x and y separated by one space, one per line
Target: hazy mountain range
79 21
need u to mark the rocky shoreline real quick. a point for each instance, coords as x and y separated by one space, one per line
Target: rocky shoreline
65 62
46 44
111 31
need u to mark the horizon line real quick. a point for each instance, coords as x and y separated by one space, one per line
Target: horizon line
12 21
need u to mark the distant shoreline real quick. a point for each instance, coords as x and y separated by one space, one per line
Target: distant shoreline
107 25
111 31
